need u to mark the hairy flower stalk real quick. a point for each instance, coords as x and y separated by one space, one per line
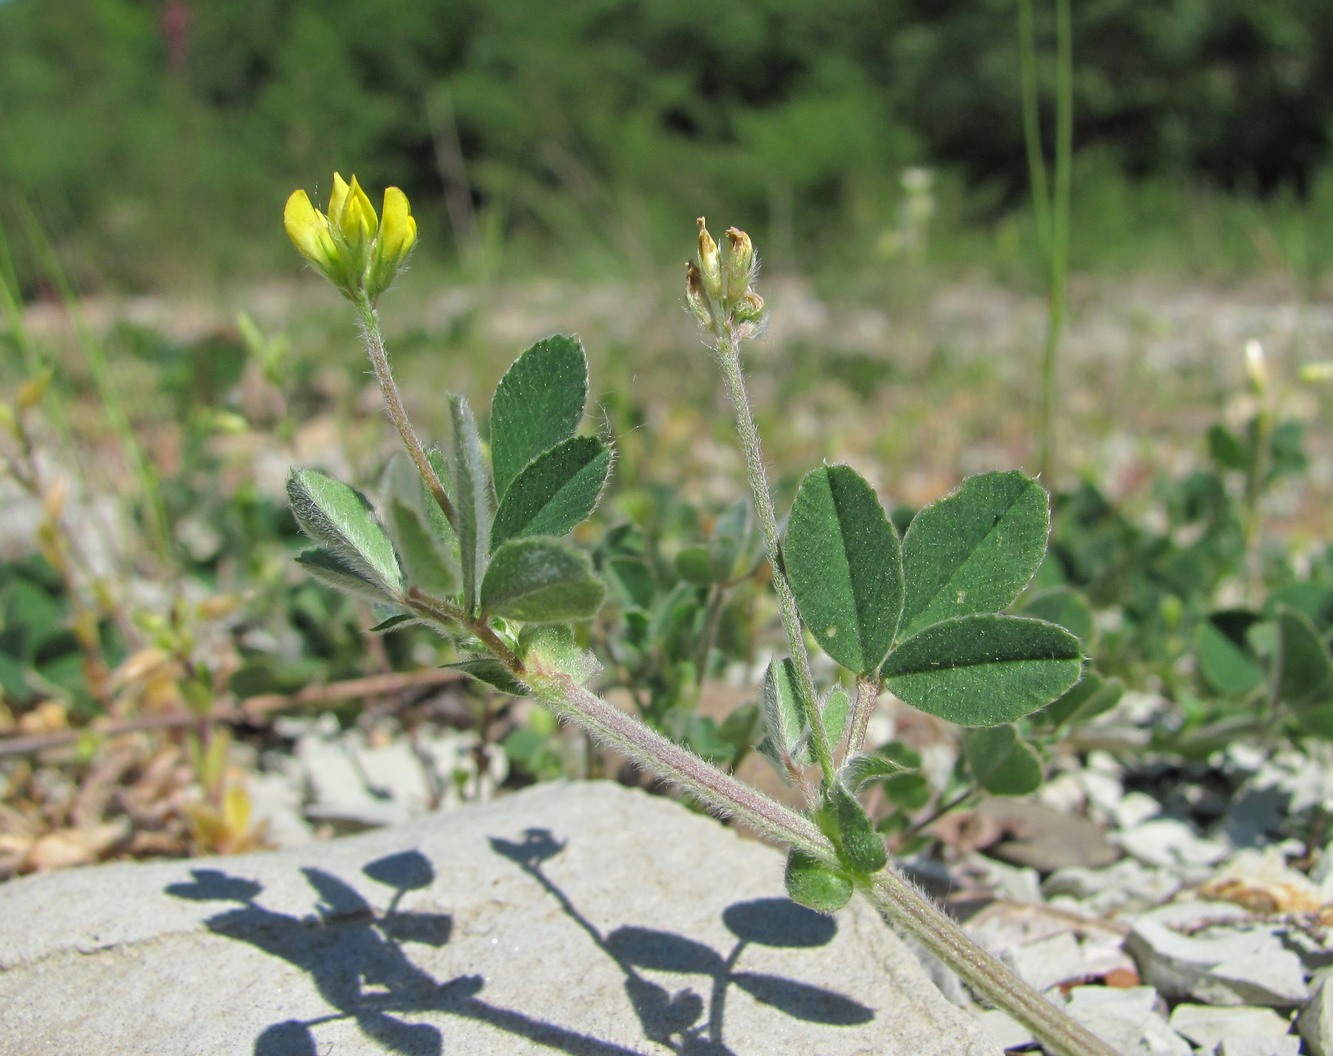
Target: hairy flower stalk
371 335
719 288
361 253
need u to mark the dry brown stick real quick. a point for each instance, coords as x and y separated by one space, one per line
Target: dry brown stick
249 710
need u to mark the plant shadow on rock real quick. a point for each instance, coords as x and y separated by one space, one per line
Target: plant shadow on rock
684 1022
355 958
357 962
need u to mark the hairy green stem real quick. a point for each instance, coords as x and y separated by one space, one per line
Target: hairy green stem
905 907
369 322
441 610
895 898
867 692
729 356
721 792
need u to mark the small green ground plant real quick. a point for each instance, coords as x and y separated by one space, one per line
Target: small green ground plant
1231 628
474 543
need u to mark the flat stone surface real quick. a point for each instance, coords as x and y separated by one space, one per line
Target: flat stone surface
576 918
1127 1019
1210 952
1171 842
1209 1027
1044 838
1049 961
1126 885
1315 1022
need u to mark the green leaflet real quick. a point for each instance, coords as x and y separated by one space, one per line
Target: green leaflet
815 885
784 720
333 570
422 537
338 516
555 491
1305 675
489 670
537 404
1064 606
843 820
982 670
844 563
863 770
1226 657
1090 697
974 550
1001 763
540 580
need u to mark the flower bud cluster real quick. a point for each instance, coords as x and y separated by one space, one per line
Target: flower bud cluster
719 286
357 251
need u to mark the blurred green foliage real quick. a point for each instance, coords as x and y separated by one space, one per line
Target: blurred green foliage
135 129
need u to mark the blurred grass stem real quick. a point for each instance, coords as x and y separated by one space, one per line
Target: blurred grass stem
1050 208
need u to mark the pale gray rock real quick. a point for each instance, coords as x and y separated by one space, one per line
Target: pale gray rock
1058 958
1134 808
1255 817
1125 728
1049 961
1244 1028
1101 791
1243 758
1322 873
1305 775
1192 950
1172 843
1003 1031
1128 885
353 784
1312 949
1103 954
1127 1019
580 919
1246 1045
1315 1022
276 801
1016 882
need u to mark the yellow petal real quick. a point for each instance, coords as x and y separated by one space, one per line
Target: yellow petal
398 229
397 236
338 196
357 220
308 229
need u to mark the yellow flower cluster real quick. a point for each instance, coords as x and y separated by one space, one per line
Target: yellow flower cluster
719 285
357 251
